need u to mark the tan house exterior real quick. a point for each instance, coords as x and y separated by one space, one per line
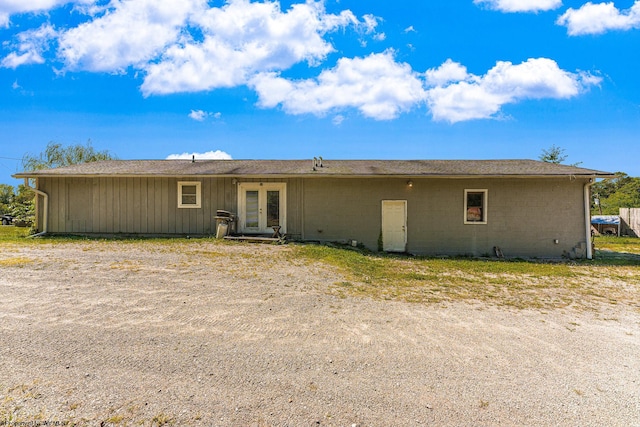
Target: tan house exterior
524 208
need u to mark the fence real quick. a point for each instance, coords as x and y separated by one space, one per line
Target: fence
630 222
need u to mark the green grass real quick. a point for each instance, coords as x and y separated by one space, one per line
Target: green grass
10 233
618 244
514 283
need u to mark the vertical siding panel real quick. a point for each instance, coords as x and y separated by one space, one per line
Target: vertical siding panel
101 226
94 226
107 205
126 201
123 205
193 220
168 208
293 207
86 223
62 190
220 195
144 204
151 201
116 184
205 215
137 206
178 213
158 205
54 207
229 199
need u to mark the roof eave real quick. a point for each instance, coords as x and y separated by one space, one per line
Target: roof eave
603 175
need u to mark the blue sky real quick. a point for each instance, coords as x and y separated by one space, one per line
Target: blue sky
348 79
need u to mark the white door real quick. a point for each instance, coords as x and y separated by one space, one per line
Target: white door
262 206
394 225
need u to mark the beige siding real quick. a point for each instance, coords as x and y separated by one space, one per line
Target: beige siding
130 205
147 206
525 216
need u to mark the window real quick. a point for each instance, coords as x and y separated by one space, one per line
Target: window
475 206
189 194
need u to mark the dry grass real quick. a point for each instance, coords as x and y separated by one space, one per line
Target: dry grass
18 261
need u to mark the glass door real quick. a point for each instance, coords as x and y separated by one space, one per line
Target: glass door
261 207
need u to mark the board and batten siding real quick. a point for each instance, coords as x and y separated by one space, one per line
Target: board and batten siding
145 205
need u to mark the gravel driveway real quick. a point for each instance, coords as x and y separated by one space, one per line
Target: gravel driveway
199 333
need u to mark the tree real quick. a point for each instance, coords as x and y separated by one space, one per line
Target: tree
622 191
627 195
6 198
554 155
56 155
607 187
22 205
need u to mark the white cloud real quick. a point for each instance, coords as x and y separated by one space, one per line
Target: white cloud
209 155
189 46
511 6
15 85
448 72
244 38
14 7
378 86
30 47
600 18
198 115
129 33
201 115
482 97
410 29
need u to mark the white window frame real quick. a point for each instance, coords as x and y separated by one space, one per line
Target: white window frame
485 198
198 186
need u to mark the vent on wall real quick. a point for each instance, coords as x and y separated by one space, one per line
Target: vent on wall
317 162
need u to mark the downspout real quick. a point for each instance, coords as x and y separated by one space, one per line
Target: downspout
587 216
45 215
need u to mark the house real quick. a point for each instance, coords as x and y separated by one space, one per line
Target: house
521 208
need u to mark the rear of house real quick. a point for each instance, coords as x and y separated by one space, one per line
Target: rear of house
525 208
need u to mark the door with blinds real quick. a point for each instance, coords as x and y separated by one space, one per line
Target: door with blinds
261 207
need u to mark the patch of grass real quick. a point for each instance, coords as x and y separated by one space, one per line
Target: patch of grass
513 283
618 244
162 420
18 261
10 233
115 419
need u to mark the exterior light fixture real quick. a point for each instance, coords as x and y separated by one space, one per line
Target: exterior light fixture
410 183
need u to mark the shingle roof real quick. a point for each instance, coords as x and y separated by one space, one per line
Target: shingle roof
336 168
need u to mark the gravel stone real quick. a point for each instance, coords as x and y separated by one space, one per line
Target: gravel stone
200 333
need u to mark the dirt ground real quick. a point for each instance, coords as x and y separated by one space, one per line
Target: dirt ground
120 333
